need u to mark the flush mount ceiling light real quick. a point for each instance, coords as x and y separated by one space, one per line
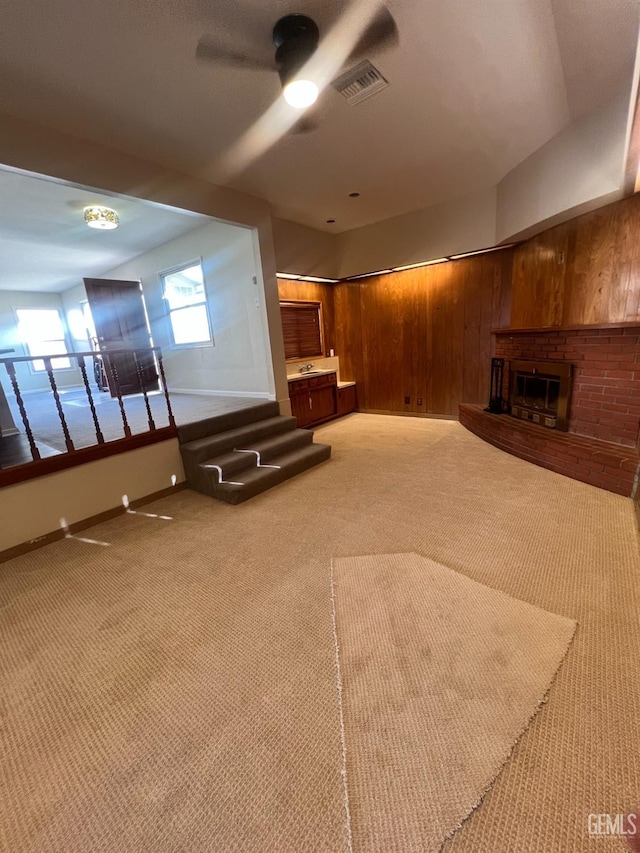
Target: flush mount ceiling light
101 218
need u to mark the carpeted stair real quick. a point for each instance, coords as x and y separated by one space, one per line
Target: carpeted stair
236 456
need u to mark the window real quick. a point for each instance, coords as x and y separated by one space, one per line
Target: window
186 300
302 329
42 333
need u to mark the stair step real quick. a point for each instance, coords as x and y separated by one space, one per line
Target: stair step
268 448
208 447
253 481
275 445
228 421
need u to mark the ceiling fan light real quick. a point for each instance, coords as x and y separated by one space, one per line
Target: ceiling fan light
301 93
102 218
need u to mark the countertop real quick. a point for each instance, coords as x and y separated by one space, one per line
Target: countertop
293 377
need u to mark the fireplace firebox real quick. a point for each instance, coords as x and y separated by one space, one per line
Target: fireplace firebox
540 391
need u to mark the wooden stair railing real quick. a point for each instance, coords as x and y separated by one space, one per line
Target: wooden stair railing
73 454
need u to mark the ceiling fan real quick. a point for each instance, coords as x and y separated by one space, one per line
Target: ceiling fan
296 39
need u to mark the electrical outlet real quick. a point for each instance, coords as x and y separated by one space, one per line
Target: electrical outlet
419 401
407 400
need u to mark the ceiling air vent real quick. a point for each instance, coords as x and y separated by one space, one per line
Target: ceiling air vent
360 82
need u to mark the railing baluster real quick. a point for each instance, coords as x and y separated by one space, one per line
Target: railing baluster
143 388
163 382
56 397
87 388
109 364
11 370
116 384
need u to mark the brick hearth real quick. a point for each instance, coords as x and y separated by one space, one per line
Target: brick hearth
598 463
600 447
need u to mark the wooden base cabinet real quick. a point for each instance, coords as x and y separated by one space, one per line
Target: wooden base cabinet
346 400
314 400
300 408
319 399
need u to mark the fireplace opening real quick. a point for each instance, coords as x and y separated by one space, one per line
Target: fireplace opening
540 392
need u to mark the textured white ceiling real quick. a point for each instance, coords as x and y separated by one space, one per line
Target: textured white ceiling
475 87
45 245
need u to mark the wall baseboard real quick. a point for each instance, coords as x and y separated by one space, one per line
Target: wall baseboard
62 389
430 416
83 524
259 395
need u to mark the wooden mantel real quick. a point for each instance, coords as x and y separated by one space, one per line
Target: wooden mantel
507 330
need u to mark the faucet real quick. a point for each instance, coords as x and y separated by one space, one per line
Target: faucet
306 367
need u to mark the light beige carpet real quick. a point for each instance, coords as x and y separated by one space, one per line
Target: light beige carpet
175 691
440 675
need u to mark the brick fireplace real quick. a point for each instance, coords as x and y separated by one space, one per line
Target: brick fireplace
603 423
605 396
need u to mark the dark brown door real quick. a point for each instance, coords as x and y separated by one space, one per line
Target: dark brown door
119 317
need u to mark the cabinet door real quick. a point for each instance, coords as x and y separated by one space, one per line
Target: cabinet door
346 399
300 408
323 402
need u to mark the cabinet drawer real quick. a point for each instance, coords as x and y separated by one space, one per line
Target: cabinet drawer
298 385
321 381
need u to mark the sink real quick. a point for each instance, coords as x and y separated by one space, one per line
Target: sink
308 373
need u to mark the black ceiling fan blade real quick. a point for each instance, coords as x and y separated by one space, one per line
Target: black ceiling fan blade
381 34
210 49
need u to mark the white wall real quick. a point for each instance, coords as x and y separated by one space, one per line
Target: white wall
305 251
445 229
239 362
9 338
34 508
579 169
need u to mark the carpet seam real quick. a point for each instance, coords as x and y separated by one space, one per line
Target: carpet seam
543 701
343 739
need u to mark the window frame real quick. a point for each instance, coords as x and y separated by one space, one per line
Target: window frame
295 303
162 275
33 370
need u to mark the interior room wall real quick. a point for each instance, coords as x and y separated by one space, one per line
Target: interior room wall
305 251
239 361
35 508
585 271
26 145
307 291
579 169
9 338
461 225
423 334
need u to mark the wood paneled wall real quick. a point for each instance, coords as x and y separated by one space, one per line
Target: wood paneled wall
306 291
584 272
423 333
426 333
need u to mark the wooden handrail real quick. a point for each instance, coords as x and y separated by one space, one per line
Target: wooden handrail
91 353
